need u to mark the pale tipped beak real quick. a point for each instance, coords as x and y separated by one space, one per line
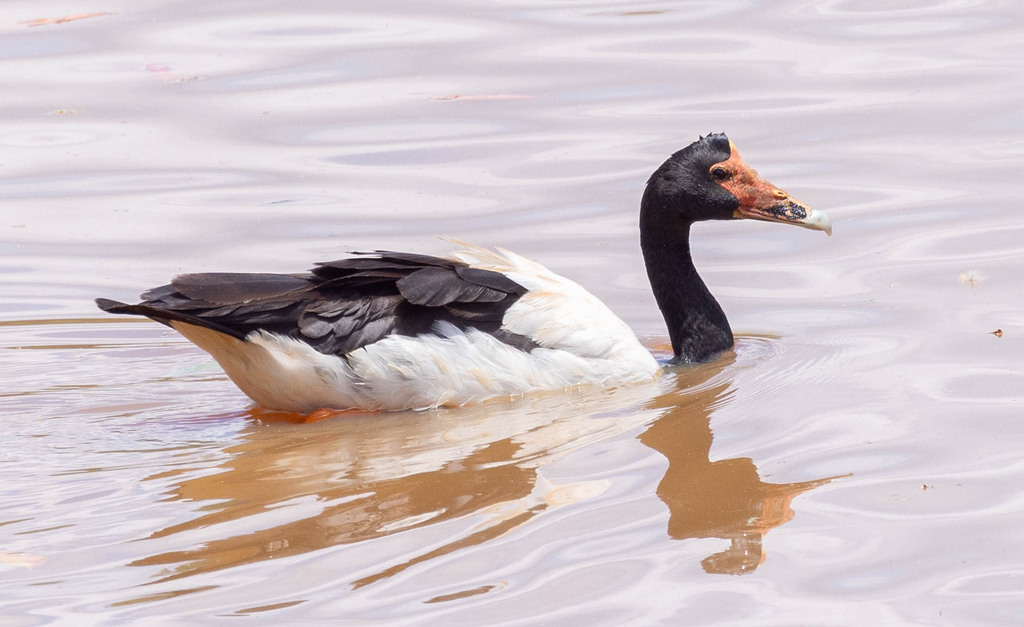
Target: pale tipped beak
818 221
787 211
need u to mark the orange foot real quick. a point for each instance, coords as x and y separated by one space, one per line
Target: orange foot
269 415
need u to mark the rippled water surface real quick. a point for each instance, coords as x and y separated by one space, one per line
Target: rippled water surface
856 460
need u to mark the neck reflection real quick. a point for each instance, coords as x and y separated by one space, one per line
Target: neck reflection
715 499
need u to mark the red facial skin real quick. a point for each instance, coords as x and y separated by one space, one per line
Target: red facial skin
759 199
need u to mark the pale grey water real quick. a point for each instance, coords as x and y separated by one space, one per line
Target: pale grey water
145 141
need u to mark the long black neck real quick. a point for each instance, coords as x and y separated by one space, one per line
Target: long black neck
696 323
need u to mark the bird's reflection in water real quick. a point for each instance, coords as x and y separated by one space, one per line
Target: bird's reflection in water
291 489
715 499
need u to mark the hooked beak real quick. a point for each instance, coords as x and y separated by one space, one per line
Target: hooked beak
760 200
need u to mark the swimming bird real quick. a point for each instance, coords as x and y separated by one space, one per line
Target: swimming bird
391 330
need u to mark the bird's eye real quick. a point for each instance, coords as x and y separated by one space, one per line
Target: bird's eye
720 174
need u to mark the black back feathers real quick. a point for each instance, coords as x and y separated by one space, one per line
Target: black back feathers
342 305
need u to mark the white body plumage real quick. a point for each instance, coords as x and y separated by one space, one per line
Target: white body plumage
580 342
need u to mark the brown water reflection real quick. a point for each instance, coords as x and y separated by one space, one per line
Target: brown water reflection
725 498
365 476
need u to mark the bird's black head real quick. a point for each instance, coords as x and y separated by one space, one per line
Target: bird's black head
687 187
708 180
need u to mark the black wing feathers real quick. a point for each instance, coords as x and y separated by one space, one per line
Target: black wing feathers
231 287
340 305
436 287
494 280
341 325
163 315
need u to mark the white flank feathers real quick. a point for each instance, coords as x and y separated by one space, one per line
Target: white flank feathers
582 342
